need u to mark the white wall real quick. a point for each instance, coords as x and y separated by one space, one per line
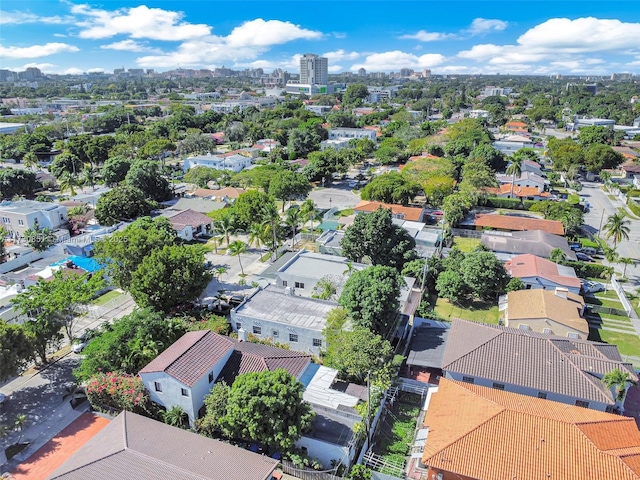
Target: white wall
538 282
325 452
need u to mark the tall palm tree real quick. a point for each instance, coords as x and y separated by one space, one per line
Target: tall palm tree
19 423
68 181
626 261
272 218
309 212
237 248
225 227
515 170
294 218
255 233
30 160
618 380
610 253
88 177
617 227
221 270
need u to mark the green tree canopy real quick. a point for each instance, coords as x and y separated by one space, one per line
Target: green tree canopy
115 170
370 296
169 276
14 182
267 407
289 186
129 343
355 94
146 176
66 162
40 238
248 208
122 203
376 238
122 252
392 187
16 350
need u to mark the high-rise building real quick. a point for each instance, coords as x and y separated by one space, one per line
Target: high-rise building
314 70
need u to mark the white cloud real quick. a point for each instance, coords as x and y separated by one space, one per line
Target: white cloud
425 36
245 42
582 35
335 68
396 60
35 51
73 71
341 54
44 67
96 70
485 25
19 18
261 33
130 46
138 22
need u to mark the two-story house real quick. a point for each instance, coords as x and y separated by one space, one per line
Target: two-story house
18 217
537 272
516 360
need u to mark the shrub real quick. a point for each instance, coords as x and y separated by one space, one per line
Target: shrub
118 391
633 206
497 202
590 270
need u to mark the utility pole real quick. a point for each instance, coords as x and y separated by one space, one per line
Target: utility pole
601 220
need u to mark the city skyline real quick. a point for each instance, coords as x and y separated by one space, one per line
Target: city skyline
572 38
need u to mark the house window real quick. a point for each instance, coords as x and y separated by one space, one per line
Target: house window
317 342
185 392
547 330
6 220
238 325
542 395
467 379
299 285
274 333
285 283
573 335
257 330
293 337
498 386
157 386
210 377
20 222
580 403
522 326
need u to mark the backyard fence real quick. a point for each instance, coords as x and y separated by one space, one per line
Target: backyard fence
305 474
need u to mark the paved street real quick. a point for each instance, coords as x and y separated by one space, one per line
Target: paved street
601 206
339 195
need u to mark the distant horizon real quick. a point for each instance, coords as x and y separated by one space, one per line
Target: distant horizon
539 38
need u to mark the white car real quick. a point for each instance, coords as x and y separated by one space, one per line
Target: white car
592 287
78 347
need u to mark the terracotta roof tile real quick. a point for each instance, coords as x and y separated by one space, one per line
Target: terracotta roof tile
505 189
412 214
528 265
189 217
513 223
481 433
191 356
540 304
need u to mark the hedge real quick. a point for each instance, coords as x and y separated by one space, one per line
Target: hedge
497 202
589 270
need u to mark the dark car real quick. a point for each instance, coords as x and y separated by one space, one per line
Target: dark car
236 300
583 257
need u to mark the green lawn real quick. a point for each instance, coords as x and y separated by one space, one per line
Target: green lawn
605 302
466 244
345 213
476 311
628 344
107 297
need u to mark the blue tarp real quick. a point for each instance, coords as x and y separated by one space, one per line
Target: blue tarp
85 263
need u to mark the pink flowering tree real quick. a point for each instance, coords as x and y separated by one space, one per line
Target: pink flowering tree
119 391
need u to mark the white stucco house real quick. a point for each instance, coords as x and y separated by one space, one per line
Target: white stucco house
18 217
235 162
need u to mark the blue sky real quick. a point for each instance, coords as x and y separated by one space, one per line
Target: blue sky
447 36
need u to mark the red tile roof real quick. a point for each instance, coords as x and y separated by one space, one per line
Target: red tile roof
514 223
189 217
505 189
230 192
191 357
413 214
528 265
483 433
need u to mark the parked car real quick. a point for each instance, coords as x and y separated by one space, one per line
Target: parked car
589 250
78 347
236 300
589 286
3 398
583 257
353 184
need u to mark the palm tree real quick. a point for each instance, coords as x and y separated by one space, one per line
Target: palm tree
30 160
626 261
68 181
272 218
220 271
225 227
19 423
88 176
75 393
293 220
515 170
610 253
618 380
256 232
174 417
309 212
617 226
236 249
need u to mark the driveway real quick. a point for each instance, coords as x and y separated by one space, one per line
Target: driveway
251 265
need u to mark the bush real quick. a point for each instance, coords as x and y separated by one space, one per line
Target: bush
633 206
590 270
529 203
118 391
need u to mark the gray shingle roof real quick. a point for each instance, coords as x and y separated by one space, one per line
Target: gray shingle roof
533 360
536 242
191 356
133 447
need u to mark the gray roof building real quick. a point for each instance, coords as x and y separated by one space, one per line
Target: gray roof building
520 360
427 347
134 447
